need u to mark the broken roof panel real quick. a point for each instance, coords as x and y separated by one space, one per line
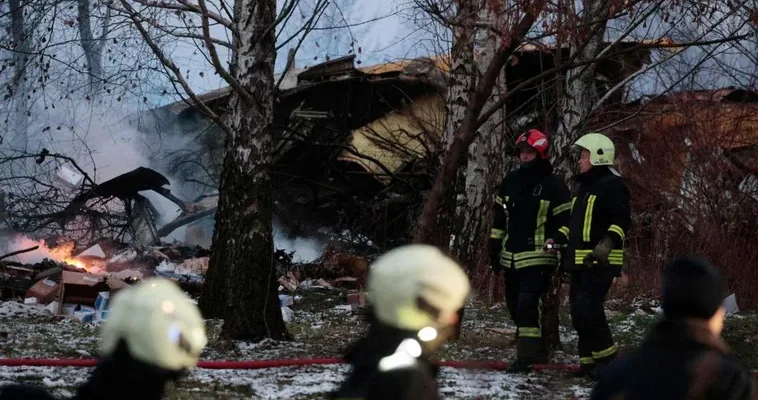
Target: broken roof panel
397 138
433 68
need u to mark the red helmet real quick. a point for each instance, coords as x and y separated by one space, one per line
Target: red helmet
536 140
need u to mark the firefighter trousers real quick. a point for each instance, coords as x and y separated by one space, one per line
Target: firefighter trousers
524 289
586 297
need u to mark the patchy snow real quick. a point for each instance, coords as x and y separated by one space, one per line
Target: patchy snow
580 392
295 382
61 382
321 330
12 309
461 383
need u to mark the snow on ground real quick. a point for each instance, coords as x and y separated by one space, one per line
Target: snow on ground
322 329
310 382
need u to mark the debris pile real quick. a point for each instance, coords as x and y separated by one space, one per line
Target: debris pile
76 283
335 270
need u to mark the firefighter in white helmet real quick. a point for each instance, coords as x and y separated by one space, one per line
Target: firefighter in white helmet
595 237
414 295
153 334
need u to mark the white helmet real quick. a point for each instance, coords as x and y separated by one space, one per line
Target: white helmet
159 324
402 276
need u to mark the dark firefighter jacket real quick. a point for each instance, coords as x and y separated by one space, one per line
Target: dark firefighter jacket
680 359
116 377
530 206
371 379
599 208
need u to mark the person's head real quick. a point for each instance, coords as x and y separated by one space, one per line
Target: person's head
418 288
694 289
158 323
532 145
594 149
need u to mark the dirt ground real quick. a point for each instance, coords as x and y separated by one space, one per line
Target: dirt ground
322 327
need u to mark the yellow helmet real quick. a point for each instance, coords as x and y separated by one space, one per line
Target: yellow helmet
601 148
402 276
159 324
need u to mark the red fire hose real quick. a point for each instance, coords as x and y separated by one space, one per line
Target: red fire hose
89 362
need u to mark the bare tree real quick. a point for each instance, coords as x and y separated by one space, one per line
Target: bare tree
93 46
240 285
21 40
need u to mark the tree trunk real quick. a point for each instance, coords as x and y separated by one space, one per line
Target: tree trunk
461 83
484 167
436 206
580 93
578 99
21 54
242 285
93 48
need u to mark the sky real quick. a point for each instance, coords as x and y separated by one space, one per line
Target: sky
380 30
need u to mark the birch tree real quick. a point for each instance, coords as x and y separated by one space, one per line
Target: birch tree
20 46
519 18
93 45
240 285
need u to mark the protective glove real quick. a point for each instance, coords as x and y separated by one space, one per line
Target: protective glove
600 252
549 247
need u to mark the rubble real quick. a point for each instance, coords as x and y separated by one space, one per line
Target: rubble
77 281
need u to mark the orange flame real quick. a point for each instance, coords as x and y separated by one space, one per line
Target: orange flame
62 253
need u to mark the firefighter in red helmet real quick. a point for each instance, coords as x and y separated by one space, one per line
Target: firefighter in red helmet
531 205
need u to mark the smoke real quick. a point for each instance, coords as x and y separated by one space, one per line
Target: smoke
306 249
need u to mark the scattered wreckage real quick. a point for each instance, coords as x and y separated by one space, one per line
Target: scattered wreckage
78 284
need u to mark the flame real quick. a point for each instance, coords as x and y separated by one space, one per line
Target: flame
62 253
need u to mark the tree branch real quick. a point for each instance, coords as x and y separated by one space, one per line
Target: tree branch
172 67
244 93
185 5
506 96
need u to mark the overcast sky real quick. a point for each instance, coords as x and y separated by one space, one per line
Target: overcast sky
381 30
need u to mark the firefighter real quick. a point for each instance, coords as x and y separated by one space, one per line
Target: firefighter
684 356
414 295
595 234
531 205
153 335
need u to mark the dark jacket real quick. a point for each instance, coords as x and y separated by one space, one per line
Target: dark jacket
116 377
369 382
531 205
680 359
599 209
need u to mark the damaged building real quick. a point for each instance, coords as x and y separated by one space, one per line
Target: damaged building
355 146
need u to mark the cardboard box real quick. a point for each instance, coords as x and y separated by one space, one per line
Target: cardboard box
68 309
85 315
44 291
82 288
356 300
101 315
103 300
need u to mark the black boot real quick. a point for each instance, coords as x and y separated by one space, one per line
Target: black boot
601 366
519 367
584 370
528 352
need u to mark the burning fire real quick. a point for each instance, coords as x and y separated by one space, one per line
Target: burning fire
62 253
